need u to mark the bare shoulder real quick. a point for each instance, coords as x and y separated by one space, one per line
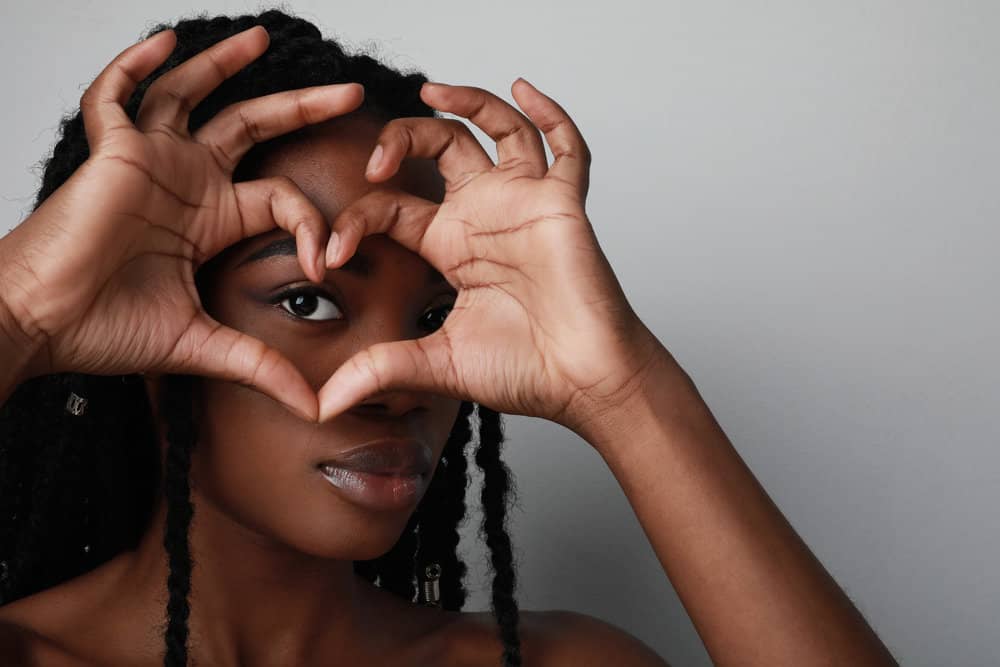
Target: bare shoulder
25 646
553 638
41 628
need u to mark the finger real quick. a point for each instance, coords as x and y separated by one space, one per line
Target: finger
235 129
401 216
518 140
422 364
169 100
459 154
102 104
267 203
571 154
212 349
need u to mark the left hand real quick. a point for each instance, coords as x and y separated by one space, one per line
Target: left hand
540 326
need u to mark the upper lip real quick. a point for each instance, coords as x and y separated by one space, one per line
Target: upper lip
385 456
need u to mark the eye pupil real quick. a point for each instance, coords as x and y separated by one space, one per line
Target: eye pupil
444 311
297 304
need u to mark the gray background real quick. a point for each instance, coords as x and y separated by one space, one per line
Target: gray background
801 201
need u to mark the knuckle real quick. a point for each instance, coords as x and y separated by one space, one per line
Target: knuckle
249 123
455 126
87 99
166 91
220 70
395 129
222 158
302 109
398 132
284 185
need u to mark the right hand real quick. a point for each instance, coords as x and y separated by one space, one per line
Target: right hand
101 276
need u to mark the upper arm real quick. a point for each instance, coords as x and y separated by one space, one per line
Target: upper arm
572 639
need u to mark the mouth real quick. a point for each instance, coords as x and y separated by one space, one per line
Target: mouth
375 491
386 456
386 474
333 470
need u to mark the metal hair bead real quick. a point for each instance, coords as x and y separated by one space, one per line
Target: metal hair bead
76 405
432 593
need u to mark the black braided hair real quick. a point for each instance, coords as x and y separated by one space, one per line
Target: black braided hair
77 490
176 408
497 482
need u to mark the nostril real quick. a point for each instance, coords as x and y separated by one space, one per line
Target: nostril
371 407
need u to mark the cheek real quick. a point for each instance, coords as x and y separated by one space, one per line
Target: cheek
245 460
253 465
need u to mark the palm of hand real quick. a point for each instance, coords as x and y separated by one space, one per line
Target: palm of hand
103 270
540 326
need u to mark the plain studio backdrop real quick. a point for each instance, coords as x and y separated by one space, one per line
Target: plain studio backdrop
801 200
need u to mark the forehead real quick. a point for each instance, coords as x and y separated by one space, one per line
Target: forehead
327 162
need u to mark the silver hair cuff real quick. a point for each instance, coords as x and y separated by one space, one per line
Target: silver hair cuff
76 405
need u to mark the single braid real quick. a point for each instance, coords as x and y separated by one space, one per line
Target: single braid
177 410
441 512
496 485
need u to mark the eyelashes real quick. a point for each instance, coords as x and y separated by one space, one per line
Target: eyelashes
304 299
306 302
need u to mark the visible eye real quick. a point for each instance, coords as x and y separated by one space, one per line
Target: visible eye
444 309
307 301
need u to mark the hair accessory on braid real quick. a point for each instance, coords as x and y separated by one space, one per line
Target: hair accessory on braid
76 405
432 594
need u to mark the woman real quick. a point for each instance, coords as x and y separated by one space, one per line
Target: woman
231 432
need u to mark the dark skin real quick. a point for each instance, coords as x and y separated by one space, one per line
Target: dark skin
540 327
267 527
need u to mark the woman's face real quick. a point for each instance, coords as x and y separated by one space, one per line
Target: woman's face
255 462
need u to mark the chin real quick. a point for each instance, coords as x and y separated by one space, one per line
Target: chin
339 531
350 540
311 518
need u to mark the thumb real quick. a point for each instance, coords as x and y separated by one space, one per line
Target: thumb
212 349
422 364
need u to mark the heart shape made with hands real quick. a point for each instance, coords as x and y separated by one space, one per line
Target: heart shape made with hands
541 326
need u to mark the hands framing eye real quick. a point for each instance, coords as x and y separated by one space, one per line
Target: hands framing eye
541 326
100 278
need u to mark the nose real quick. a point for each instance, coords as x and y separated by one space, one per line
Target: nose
388 326
391 404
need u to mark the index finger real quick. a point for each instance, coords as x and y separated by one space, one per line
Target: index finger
103 103
571 155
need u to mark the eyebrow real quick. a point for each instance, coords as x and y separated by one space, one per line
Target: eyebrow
359 264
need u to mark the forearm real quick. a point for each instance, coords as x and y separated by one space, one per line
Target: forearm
754 591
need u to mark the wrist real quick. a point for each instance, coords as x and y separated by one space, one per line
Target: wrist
662 396
19 351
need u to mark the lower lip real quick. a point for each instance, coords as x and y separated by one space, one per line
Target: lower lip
377 491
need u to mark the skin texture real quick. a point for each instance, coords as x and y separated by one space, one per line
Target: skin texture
267 526
544 330
272 543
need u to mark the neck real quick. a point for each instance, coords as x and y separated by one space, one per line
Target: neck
254 601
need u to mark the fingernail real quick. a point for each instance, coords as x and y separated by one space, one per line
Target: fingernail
332 248
375 159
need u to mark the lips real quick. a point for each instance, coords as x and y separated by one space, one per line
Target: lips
385 456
